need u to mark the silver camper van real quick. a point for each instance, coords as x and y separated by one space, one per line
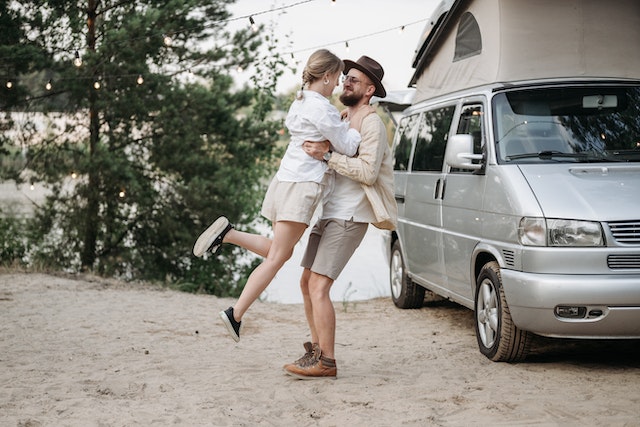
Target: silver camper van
517 170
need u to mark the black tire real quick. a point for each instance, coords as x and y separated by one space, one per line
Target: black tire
404 292
498 338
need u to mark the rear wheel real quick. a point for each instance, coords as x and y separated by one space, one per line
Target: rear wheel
404 292
498 338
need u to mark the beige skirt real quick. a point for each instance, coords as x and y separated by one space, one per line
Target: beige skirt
291 201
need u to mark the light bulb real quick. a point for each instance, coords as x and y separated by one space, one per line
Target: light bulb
48 86
96 85
254 27
9 84
77 61
140 80
167 40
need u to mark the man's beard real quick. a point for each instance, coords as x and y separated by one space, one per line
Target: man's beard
350 99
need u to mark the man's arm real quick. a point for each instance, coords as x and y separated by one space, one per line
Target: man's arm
365 167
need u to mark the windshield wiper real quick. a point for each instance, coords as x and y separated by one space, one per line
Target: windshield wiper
549 154
546 154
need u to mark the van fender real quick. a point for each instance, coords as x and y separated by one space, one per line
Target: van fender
482 254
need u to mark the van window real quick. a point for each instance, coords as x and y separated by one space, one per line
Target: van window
433 133
577 124
468 38
471 123
402 151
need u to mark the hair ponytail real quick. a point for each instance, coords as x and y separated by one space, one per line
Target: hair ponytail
319 64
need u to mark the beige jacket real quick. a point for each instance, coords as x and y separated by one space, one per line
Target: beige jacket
373 169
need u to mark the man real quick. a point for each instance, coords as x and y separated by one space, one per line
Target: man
362 194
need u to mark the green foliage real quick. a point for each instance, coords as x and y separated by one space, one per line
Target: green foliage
153 164
13 245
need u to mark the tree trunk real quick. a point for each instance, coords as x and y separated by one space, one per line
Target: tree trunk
88 255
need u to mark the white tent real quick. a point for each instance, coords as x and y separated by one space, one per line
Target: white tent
474 42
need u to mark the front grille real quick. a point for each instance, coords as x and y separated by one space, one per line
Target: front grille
620 262
626 232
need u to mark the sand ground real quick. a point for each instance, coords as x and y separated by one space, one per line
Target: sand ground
83 351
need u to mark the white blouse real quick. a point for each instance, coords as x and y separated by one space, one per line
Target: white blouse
314 118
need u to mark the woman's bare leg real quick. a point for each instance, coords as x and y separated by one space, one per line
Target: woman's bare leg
285 236
255 243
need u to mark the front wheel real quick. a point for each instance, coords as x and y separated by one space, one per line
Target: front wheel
404 292
498 338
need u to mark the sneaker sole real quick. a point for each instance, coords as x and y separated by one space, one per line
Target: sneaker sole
305 377
208 236
229 326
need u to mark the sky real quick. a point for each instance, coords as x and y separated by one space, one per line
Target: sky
370 27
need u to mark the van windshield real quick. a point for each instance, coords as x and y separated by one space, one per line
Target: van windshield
576 124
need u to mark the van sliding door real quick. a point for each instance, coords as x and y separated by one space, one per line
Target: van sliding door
423 198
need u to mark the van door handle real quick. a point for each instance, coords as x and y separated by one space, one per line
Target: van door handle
399 198
438 192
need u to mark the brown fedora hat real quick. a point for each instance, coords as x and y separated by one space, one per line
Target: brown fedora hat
372 69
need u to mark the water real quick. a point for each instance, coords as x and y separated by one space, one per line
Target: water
366 275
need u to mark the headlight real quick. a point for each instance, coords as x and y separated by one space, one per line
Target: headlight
533 232
559 232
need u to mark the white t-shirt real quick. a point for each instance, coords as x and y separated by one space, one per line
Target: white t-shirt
347 201
313 118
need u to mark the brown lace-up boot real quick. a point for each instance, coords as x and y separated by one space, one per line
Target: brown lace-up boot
315 368
308 348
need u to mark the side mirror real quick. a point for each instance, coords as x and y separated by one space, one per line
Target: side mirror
459 153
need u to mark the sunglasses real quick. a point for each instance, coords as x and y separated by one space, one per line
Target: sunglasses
353 80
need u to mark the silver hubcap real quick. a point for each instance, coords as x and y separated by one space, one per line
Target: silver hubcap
487 313
397 271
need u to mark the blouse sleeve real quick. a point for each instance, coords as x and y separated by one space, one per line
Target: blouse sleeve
344 140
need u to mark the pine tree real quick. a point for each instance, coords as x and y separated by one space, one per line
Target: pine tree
153 141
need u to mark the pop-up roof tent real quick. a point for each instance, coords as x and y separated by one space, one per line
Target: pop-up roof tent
468 43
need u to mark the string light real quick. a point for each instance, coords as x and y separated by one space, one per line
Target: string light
77 61
168 41
74 175
355 38
121 194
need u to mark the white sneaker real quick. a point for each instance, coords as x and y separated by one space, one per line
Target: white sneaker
211 239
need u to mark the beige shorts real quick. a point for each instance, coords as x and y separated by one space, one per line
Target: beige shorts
332 242
291 201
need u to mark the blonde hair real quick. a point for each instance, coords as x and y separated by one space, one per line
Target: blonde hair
320 63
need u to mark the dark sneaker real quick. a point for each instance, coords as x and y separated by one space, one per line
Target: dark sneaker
230 322
211 239
308 355
318 367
